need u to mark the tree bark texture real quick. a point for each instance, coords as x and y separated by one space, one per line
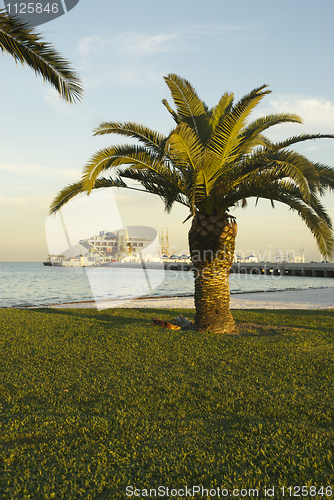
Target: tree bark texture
212 244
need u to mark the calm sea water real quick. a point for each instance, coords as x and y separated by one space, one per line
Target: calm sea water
24 284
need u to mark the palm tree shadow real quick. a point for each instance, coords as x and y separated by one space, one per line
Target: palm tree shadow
297 315
115 316
113 320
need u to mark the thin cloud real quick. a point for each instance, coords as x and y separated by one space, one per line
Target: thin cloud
315 112
39 171
218 29
120 58
91 44
142 44
25 205
133 44
317 115
138 45
121 75
52 97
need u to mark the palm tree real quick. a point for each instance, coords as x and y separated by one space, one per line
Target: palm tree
26 46
213 161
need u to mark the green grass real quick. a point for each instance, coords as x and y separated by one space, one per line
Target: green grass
92 402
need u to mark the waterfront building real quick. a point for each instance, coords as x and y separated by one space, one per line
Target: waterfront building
105 247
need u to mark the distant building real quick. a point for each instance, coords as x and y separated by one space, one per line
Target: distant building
164 242
241 258
114 246
104 247
251 258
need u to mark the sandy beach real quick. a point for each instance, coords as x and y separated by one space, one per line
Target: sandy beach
291 299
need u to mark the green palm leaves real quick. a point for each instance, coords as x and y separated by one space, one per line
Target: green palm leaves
214 159
25 45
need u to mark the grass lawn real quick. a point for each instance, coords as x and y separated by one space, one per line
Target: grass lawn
92 402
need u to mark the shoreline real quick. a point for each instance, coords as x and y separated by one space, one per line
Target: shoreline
312 298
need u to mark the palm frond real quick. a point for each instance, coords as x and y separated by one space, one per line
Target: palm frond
72 190
190 109
115 156
289 189
326 177
65 195
299 169
226 138
201 188
286 192
300 138
318 226
252 134
172 112
25 45
222 108
168 189
274 165
149 137
184 147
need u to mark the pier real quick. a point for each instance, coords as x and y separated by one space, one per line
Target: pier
316 269
312 269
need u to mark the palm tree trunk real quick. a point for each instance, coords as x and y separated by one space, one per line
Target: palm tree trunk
212 243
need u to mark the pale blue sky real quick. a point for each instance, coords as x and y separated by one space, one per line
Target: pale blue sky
122 50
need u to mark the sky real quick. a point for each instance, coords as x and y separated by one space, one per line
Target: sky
121 51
